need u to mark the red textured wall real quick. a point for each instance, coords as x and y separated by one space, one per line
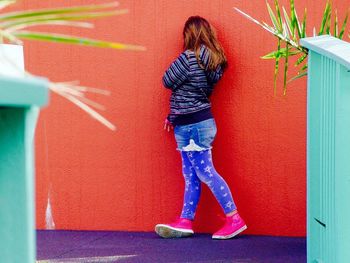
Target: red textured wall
131 179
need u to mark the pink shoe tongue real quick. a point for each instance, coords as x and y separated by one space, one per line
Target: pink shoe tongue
234 219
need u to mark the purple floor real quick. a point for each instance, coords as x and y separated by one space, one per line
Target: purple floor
89 246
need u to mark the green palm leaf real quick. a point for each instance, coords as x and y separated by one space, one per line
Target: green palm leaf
276 66
336 29
325 17
278 12
58 17
5 3
285 30
13 23
7 35
276 24
288 30
66 39
281 53
49 23
341 33
295 19
303 27
285 71
55 11
328 25
289 24
273 31
300 75
301 59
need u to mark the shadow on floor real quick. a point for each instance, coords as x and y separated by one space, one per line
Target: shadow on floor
108 247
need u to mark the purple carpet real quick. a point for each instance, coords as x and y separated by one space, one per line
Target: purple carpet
89 247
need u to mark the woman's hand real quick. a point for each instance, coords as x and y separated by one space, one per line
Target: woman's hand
167 125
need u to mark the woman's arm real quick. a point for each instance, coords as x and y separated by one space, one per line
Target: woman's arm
213 76
177 73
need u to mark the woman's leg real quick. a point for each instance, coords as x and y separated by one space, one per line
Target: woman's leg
202 163
192 188
182 227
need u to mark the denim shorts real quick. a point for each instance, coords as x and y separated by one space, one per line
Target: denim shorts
195 136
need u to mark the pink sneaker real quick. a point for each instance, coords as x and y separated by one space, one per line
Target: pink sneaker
180 228
233 226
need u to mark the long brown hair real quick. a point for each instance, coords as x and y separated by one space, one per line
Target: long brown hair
197 31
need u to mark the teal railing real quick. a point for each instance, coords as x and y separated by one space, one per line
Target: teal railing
328 150
20 99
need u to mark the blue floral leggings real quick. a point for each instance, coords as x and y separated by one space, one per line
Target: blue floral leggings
197 167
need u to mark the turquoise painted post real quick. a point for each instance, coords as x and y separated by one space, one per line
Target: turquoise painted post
20 99
328 150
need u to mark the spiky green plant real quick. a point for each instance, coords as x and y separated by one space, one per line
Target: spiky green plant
289 29
18 25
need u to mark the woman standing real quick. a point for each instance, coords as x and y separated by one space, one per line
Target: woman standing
191 78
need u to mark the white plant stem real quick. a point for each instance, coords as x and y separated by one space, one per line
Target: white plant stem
272 31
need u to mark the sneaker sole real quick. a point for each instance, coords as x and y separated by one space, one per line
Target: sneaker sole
231 235
166 231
